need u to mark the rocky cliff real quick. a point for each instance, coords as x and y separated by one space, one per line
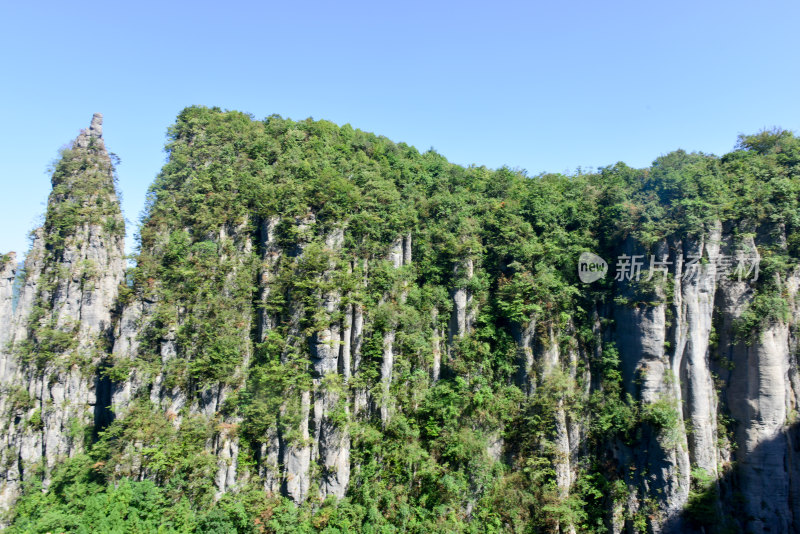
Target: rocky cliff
61 328
323 322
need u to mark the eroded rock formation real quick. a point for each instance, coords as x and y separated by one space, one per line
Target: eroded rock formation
281 340
61 328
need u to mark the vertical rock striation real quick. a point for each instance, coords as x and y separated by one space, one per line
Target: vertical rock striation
63 321
278 334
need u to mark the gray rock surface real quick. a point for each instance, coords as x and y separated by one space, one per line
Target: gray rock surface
734 394
760 390
8 273
71 282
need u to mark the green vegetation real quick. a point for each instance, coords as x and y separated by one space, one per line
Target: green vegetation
83 196
83 193
199 268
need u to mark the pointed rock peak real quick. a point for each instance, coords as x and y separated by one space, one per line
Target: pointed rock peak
94 135
96 128
9 257
8 264
83 189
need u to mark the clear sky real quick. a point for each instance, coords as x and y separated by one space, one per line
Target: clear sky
543 86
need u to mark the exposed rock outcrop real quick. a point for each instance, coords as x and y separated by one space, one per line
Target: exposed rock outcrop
8 273
63 320
283 328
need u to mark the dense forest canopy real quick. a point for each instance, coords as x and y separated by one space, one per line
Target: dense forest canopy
509 240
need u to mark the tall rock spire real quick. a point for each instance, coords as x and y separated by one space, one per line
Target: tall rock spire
61 326
94 135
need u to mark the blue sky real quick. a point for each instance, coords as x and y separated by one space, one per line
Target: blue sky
544 86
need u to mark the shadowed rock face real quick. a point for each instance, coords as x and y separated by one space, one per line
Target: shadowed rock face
696 361
761 390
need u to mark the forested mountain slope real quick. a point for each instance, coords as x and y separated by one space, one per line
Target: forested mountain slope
327 331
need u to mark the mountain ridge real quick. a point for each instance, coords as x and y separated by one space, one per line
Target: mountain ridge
325 329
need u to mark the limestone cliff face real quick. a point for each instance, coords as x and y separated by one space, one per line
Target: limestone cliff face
61 327
277 340
716 401
8 273
158 385
650 374
760 389
682 347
